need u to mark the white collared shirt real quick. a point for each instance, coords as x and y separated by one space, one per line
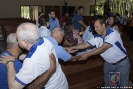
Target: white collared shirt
37 62
116 52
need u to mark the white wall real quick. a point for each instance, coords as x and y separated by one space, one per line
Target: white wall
11 8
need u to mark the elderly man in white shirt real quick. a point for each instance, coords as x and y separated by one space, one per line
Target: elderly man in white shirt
36 62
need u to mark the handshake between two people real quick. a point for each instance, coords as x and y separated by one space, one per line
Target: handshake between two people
82 56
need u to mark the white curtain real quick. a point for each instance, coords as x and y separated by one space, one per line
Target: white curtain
34 13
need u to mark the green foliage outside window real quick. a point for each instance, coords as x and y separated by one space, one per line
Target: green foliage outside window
117 6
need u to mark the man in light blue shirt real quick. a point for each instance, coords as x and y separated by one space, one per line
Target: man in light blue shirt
51 14
56 38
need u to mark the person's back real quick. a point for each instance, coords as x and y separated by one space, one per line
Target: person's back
44 25
3 71
12 49
87 35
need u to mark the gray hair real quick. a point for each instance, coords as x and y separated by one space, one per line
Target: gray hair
58 29
11 40
28 31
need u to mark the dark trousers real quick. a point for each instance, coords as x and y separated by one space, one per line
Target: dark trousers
131 33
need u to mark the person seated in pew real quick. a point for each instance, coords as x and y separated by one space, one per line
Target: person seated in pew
36 61
56 38
72 36
110 46
111 24
14 50
44 26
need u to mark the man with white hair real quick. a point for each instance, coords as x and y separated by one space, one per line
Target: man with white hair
14 50
36 62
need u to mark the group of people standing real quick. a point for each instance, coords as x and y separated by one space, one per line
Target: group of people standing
40 65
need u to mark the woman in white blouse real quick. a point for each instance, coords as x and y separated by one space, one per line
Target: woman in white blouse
111 24
44 25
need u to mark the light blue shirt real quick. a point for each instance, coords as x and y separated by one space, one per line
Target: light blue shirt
60 51
57 22
44 31
52 24
87 35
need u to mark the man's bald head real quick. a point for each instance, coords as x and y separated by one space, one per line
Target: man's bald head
58 34
58 30
28 31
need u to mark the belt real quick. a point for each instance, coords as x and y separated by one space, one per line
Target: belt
119 61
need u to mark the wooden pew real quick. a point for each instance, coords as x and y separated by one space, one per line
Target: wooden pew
8 30
9 25
82 74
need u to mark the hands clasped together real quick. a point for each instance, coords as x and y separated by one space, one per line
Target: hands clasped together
73 50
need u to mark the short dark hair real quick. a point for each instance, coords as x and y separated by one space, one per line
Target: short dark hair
101 21
43 19
50 10
80 7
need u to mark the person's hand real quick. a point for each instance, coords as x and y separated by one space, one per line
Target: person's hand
84 57
5 59
68 49
52 63
73 51
75 36
22 56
